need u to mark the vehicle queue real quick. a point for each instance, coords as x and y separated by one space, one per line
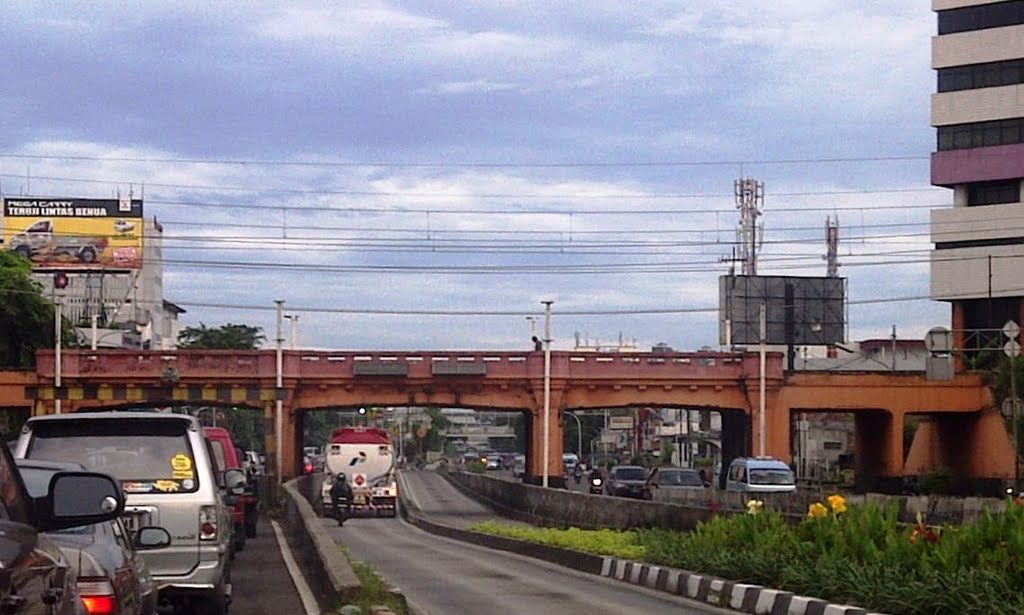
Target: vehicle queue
184 500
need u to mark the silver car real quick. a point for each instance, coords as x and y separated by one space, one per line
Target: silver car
164 463
110 574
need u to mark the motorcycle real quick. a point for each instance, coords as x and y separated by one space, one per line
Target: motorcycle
596 485
577 474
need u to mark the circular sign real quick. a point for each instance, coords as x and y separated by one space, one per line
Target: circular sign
1012 348
1011 329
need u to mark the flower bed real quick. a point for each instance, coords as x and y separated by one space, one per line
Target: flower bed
855 555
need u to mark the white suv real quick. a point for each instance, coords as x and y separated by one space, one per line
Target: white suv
164 464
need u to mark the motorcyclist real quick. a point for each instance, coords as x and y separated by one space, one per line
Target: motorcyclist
341 495
577 473
598 475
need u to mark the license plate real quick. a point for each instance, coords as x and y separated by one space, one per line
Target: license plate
132 522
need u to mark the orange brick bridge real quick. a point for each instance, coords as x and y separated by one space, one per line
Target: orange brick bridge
961 430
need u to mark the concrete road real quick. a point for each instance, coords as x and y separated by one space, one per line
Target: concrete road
261 583
444 576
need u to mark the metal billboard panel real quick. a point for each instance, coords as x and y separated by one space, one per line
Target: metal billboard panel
75 234
802 311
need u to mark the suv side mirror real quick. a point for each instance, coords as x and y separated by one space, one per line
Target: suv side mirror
78 498
234 481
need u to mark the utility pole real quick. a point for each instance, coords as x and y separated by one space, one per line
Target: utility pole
58 343
294 322
547 390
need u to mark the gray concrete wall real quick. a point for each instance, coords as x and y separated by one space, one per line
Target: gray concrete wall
326 568
683 509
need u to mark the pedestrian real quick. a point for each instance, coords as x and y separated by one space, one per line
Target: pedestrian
341 495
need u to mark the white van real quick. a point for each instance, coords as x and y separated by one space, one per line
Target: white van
760 475
164 464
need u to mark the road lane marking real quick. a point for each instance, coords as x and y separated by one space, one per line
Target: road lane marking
309 602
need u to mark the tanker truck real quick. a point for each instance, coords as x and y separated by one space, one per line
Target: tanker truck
367 459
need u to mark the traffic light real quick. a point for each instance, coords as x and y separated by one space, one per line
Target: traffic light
60 279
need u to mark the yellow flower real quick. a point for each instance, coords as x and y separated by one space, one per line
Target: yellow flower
837 503
817 511
754 507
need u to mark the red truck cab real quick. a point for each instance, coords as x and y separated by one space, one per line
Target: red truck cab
227 457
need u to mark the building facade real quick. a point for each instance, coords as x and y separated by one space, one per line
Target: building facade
978 113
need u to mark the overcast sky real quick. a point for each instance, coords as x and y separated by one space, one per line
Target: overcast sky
470 160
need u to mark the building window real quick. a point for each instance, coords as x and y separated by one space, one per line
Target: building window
981 134
982 17
975 76
993 193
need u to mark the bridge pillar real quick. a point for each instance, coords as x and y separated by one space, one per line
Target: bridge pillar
289 449
878 451
535 458
974 446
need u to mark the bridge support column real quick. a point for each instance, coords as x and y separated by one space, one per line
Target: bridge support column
878 451
535 459
975 447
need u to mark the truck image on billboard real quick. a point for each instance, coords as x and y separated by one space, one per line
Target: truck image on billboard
74 233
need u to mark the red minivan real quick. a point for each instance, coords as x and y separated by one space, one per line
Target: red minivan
226 456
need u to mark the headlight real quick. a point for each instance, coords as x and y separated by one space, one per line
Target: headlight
596 482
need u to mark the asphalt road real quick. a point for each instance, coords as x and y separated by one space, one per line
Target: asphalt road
444 576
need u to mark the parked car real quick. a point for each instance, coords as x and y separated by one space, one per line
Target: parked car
111 576
628 482
244 511
676 479
760 475
35 576
168 476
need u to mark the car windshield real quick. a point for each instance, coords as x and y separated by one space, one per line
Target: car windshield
679 478
148 456
771 477
631 474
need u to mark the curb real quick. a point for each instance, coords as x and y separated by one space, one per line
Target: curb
740 597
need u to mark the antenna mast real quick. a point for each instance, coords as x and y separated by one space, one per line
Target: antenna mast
749 200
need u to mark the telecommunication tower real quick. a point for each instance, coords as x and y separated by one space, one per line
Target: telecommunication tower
749 200
832 247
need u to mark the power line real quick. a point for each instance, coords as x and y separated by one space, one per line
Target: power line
462 164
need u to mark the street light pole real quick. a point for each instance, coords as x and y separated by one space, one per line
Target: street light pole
58 343
547 389
279 403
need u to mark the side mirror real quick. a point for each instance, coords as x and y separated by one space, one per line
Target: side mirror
78 498
234 481
150 538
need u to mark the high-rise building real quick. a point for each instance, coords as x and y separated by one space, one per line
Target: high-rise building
978 112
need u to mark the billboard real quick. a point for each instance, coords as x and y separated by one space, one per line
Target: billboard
74 233
800 311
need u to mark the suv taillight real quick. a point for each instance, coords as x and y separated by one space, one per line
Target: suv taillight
208 523
97 595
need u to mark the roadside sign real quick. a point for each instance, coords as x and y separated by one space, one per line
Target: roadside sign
1011 329
939 340
1012 348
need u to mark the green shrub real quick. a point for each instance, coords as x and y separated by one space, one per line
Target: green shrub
598 542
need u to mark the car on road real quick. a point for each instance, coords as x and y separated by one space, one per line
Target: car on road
111 576
244 510
760 475
628 482
165 465
35 576
675 479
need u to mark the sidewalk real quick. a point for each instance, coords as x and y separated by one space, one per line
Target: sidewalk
260 581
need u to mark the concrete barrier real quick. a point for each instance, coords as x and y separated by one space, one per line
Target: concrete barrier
681 509
326 568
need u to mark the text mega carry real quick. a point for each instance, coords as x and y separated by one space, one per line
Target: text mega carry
366 457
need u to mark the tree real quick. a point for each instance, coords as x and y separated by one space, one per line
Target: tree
26 317
228 337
